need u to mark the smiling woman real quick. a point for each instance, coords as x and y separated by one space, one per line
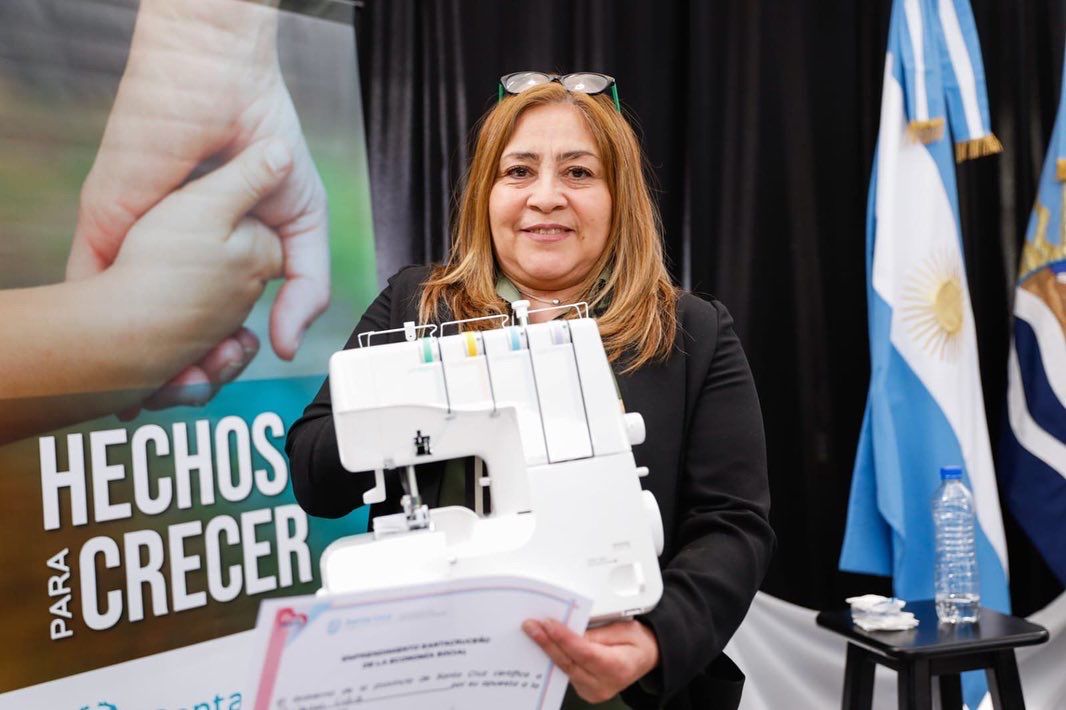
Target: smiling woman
550 209
556 208
556 202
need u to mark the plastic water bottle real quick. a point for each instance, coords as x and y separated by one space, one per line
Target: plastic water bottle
957 597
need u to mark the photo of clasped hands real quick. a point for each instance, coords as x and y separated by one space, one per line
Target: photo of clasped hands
166 260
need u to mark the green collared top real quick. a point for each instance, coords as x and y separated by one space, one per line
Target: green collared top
506 290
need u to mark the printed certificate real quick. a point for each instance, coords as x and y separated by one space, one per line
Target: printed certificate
445 645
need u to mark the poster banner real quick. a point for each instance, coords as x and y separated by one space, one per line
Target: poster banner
185 238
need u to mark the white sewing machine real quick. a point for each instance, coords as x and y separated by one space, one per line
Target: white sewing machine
537 405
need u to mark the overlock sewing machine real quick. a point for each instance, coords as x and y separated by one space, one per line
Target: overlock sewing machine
538 407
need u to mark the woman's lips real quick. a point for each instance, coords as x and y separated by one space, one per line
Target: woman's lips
546 234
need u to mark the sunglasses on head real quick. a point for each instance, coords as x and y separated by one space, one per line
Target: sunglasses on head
590 83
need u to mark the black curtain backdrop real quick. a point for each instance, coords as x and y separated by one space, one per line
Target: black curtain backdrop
759 119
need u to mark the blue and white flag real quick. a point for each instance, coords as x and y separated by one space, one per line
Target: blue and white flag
925 407
963 80
1033 454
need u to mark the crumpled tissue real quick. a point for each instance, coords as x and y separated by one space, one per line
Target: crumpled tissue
872 612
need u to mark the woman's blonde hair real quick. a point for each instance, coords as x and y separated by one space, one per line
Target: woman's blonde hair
636 306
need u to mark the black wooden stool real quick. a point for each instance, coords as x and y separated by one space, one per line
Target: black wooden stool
933 649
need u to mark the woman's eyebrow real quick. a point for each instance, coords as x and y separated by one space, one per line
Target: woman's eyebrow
575 154
522 155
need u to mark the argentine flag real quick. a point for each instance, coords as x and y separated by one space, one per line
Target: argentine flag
925 408
1033 453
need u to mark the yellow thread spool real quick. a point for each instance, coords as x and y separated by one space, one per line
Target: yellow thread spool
471 344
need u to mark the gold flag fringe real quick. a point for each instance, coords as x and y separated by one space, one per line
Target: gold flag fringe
928 131
977 148
1060 169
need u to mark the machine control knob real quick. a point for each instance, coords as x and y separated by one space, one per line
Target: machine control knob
634 424
655 520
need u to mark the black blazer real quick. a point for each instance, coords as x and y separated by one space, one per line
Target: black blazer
707 460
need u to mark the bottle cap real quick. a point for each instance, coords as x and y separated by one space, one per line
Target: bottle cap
950 472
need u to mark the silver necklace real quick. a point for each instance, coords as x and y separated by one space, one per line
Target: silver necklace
550 302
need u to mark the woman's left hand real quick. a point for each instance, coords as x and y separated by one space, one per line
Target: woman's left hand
604 661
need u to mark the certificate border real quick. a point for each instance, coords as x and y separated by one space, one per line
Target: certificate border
286 620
